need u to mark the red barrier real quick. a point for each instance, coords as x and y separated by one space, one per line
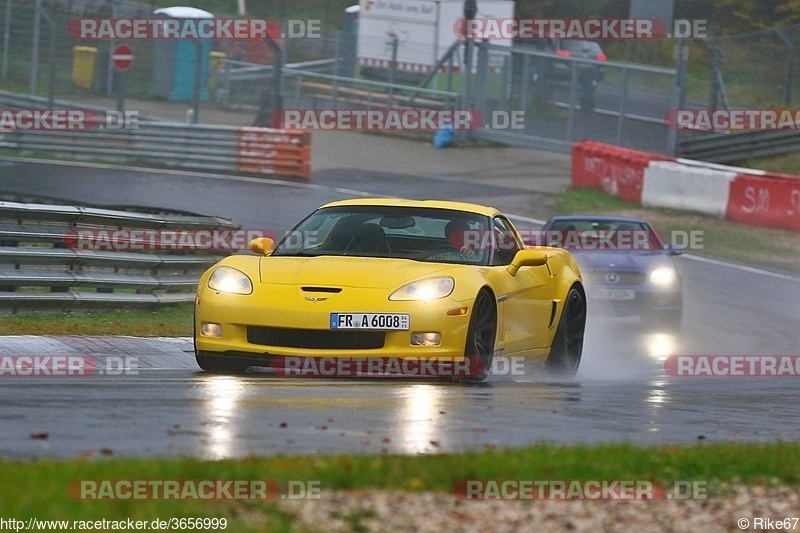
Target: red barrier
615 170
772 200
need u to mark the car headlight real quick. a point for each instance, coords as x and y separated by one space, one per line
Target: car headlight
227 279
425 289
664 276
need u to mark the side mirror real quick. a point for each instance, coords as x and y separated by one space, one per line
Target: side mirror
527 258
675 249
262 245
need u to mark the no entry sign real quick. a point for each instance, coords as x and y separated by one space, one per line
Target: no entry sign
122 57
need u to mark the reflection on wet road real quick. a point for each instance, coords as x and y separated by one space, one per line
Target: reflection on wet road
169 407
621 392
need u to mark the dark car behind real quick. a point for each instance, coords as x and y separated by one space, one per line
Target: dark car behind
628 270
546 72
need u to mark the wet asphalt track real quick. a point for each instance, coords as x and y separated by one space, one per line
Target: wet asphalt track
621 393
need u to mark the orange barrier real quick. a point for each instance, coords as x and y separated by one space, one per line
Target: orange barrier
274 152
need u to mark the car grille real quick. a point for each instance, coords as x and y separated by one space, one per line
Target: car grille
601 277
316 338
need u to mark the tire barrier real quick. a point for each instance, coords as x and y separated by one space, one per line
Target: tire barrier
748 196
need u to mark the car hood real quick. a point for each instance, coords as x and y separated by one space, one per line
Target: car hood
621 261
331 271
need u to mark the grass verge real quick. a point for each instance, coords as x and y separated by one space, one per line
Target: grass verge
786 164
39 488
763 247
168 321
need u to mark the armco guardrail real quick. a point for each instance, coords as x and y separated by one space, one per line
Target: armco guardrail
162 143
748 196
11 100
727 148
218 148
75 258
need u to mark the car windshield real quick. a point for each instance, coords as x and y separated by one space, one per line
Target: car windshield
602 235
420 234
586 47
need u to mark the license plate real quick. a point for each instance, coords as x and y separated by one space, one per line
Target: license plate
616 294
381 321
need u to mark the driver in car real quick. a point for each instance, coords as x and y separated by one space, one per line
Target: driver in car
456 232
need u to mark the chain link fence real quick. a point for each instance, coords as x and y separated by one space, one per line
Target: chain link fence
620 98
39 58
570 99
755 70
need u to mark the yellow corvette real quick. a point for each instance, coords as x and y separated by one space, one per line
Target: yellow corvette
387 279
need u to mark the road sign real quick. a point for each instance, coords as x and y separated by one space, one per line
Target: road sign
122 57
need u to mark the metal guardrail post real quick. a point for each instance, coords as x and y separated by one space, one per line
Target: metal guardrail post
264 115
449 73
678 94
623 104
37 22
573 101
6 38
717 83
526 76
198 69
508 82
393 67
51 82
790 53
111 46
481 75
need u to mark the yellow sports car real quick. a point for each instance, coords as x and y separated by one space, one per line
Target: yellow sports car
447 286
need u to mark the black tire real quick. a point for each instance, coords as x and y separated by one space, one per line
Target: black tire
567 348
481 337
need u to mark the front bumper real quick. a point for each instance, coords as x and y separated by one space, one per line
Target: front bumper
646 302
284 308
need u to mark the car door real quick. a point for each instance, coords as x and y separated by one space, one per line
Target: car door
526 298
